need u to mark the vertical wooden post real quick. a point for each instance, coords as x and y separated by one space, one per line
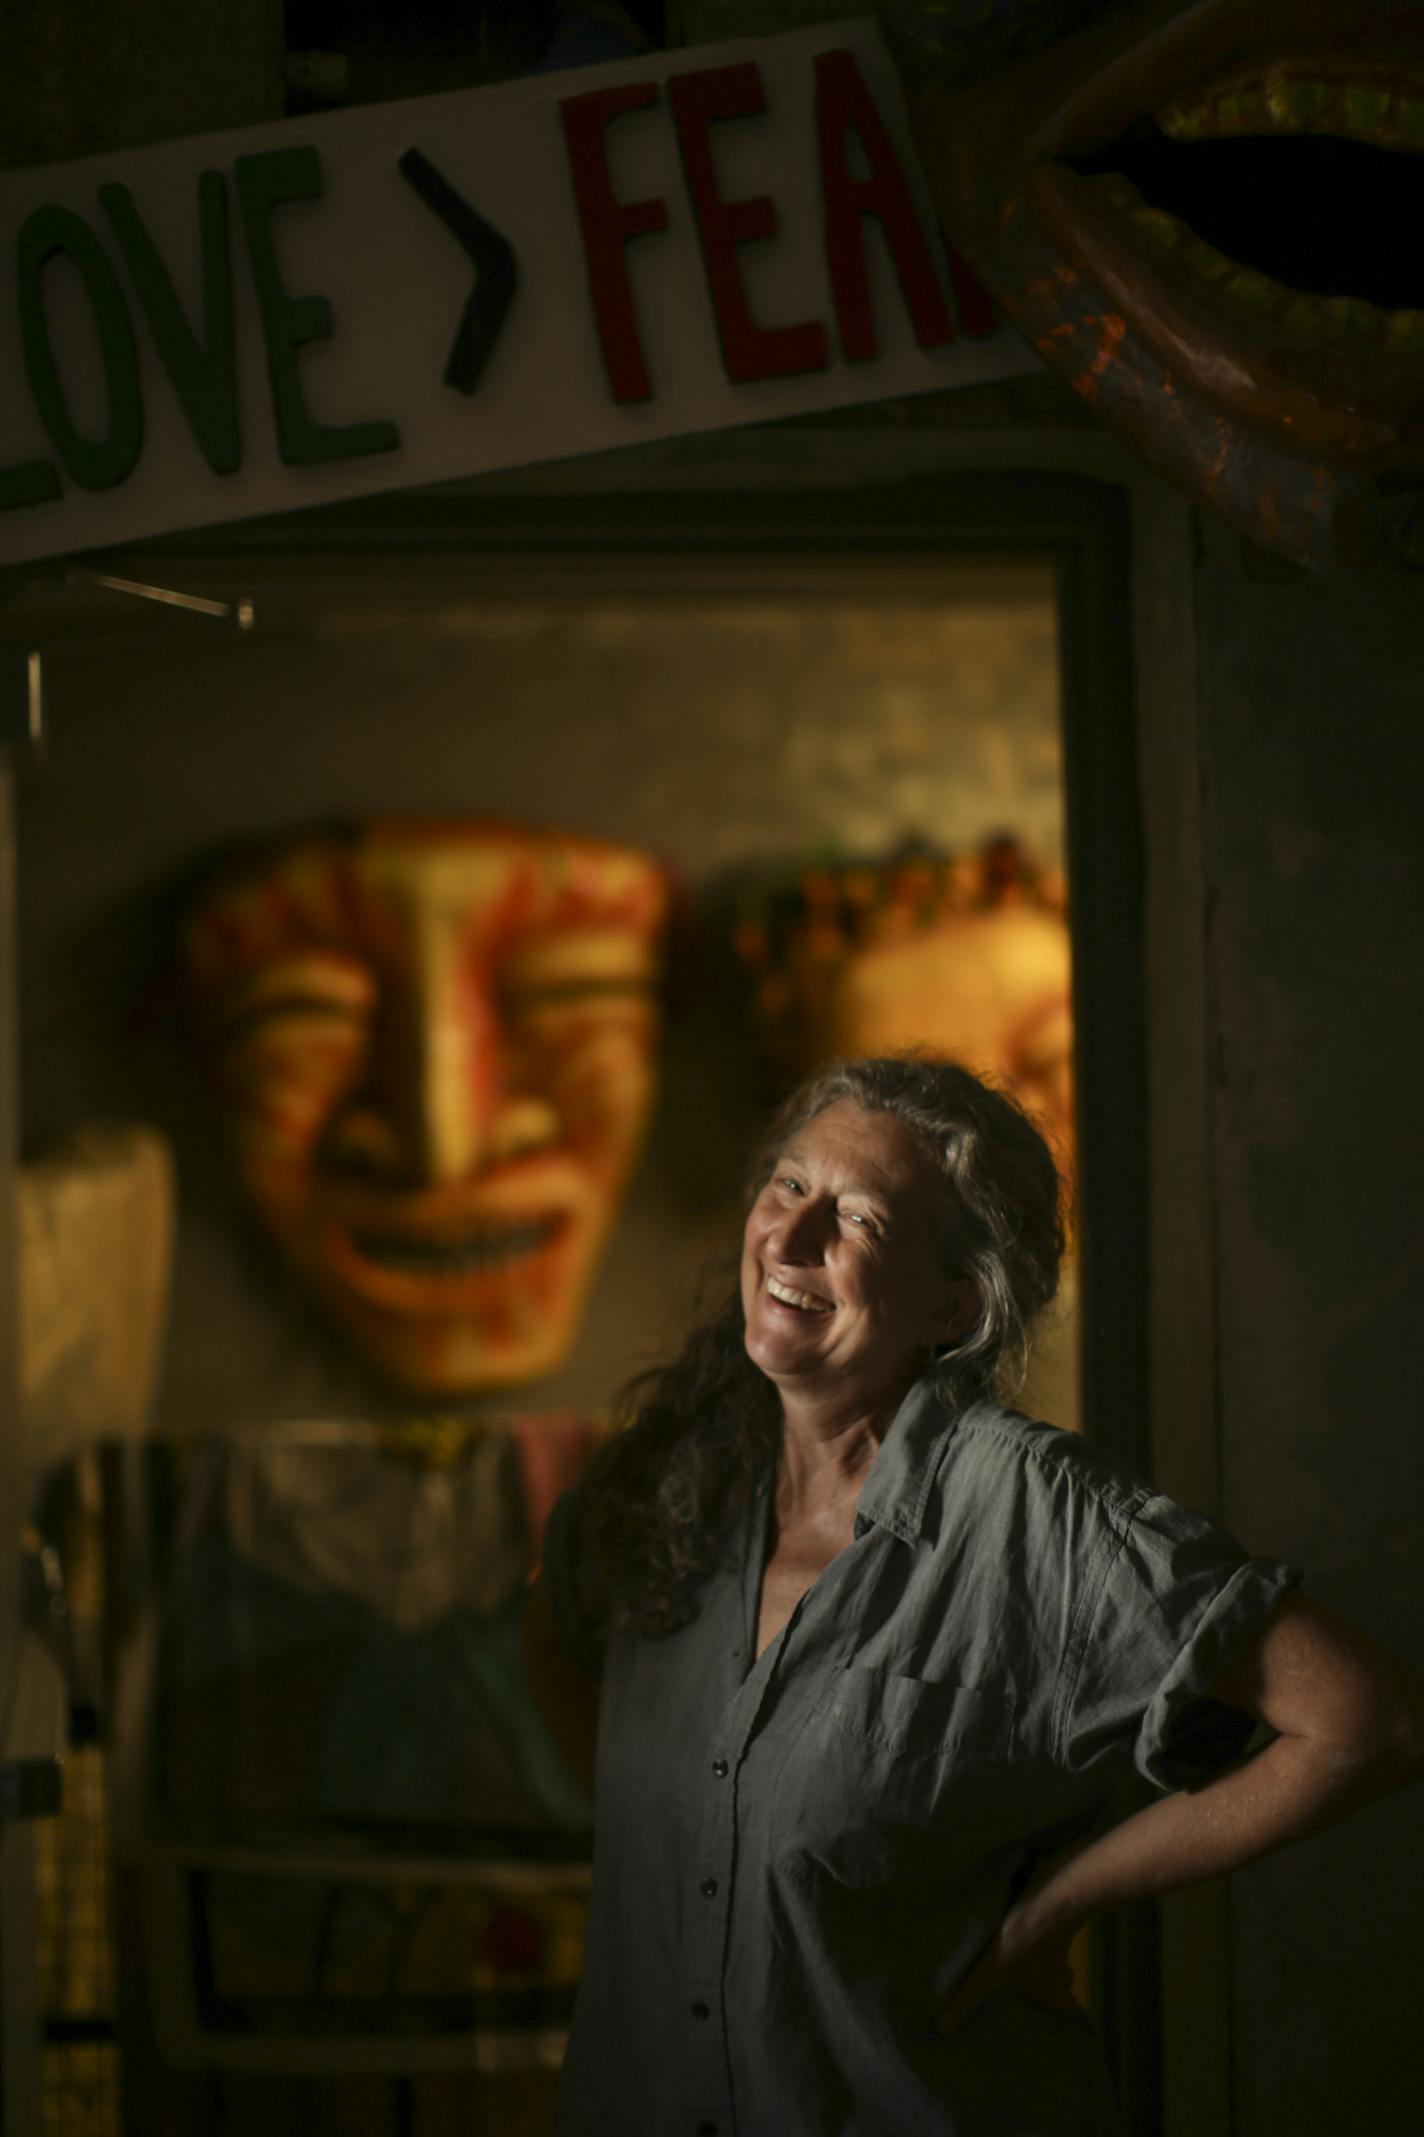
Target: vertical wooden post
19 2011
1194 1944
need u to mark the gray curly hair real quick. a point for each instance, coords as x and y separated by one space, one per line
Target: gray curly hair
658 1498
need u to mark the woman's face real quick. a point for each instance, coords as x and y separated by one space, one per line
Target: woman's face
843 1283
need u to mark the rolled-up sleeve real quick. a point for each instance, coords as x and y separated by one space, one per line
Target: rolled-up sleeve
560 1584
1176 1600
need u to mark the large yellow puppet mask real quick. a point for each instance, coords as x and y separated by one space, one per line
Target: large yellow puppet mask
435 1043
966 955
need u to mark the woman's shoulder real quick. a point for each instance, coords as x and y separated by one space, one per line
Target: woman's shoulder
1000 1445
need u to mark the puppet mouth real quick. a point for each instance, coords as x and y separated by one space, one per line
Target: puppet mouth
490 1248
1281 193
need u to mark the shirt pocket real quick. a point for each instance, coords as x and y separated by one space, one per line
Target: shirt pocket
919 1718
893 1784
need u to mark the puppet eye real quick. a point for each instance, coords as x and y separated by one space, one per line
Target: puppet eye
318 985
580 988
576 968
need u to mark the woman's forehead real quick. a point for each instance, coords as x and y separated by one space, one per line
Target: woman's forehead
855 1146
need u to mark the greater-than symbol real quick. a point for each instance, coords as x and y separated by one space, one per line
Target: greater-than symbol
496 270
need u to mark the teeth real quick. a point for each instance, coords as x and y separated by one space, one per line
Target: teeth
1406 330
1293 107
1206 261
1184 124
1118 191
1348 318
1284 102
1239 112
1355 315
1364 112
1165 230
1307 315
455 1257
806 1300
1257 290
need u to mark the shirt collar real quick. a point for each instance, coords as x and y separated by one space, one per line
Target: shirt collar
898 1484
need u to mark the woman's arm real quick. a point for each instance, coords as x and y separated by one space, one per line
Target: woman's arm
566 1698
1349 1718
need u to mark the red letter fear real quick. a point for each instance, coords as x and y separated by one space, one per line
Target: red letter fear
748 351
842 103
607 224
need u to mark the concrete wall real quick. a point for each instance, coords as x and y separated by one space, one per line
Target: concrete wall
1312 696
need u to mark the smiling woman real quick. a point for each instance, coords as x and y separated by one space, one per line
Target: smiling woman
434 1043
841 1278
874 1655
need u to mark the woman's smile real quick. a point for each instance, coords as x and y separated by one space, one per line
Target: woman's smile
841 1266
802 1301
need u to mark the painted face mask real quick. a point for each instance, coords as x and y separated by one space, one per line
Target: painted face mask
1200 215
969 957
435 1046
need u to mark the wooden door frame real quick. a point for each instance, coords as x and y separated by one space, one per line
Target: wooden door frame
1123 550
19 2009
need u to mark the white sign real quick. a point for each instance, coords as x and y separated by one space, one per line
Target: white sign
318 309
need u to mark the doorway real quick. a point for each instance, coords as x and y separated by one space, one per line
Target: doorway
686 667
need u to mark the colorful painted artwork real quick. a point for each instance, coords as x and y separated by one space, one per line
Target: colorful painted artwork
968 955
1193 214
342 1625
435 1046
369 1827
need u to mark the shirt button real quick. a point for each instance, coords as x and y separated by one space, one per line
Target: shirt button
708 1888
719 1768
700 2010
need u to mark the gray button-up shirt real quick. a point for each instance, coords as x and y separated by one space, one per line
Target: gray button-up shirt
797 1857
